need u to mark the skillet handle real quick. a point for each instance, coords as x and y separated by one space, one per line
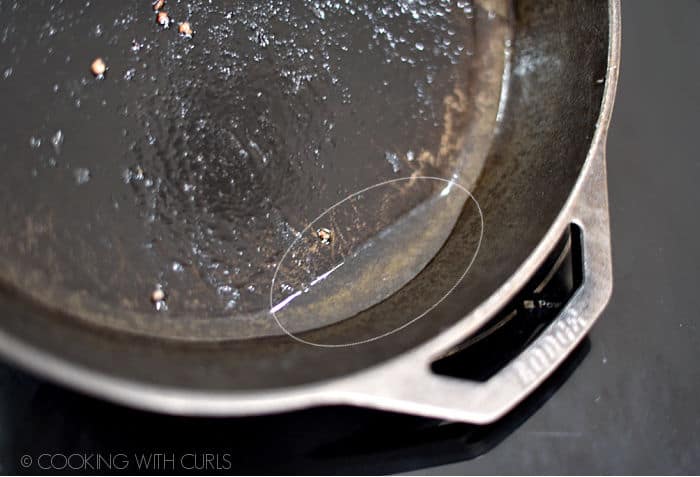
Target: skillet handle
405 387
417 390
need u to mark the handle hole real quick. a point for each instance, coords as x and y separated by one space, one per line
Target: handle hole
523 319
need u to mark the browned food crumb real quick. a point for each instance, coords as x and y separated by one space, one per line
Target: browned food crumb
163 19
324 235
158 4
157 295
98 67
185 29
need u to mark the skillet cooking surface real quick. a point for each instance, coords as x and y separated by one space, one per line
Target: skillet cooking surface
558 60
195 163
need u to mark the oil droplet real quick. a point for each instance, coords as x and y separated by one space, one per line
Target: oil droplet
82 175
57 141
393 159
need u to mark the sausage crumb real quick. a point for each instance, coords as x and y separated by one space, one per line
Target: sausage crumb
98 68
324 235
163 19
185 29
158 298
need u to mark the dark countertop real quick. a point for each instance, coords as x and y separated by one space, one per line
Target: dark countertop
626 402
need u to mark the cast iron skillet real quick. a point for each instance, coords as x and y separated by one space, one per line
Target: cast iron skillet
151 175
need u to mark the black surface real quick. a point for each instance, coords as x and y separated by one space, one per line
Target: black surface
627 402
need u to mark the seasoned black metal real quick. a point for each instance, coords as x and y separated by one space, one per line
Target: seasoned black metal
558 55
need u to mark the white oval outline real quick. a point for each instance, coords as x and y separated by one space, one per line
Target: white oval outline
408 323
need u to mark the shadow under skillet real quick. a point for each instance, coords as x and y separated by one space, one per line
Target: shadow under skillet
37 417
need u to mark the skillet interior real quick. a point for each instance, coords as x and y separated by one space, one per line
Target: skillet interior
559 52
200 160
